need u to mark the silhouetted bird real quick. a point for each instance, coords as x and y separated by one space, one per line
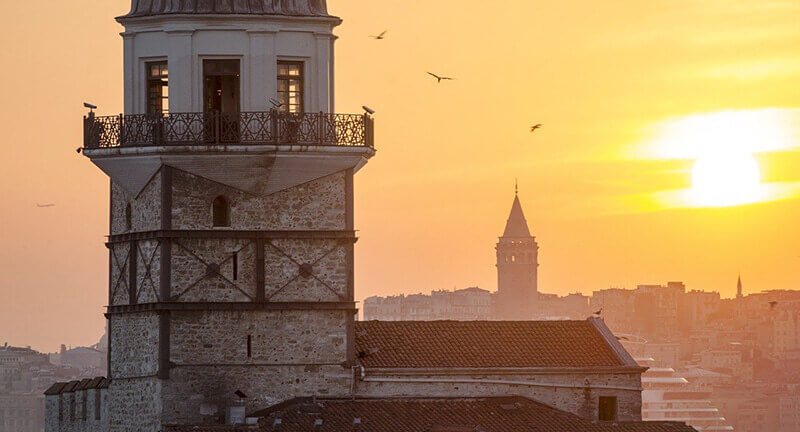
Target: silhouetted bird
534 127
772 304
275 103
598 312
78 150
45 205
380 36
439 78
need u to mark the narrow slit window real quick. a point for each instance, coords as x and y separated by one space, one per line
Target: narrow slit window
249 346
128 217
235 266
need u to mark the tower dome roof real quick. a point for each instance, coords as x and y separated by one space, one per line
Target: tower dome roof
143 8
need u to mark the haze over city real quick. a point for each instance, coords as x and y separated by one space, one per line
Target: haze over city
630 96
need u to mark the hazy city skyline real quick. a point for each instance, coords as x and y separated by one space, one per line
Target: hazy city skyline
601 180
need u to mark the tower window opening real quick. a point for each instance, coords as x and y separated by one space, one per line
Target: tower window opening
249 346
157 88
235 265
220 212
290 86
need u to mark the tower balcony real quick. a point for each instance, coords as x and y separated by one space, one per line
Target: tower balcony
275 128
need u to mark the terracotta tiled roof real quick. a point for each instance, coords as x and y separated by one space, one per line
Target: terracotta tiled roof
501 414
482 344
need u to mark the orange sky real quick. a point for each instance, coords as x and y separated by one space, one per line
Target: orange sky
606 80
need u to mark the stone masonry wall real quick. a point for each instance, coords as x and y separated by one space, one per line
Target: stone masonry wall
580 401
276 337
316 205
135 405
199 394
192 281
134 345
145 207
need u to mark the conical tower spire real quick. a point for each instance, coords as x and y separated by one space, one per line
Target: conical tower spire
516 226
739 287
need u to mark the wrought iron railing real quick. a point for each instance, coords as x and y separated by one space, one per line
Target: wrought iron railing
217 128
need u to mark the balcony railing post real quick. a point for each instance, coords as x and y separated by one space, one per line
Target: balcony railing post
216 127
321 128
273 119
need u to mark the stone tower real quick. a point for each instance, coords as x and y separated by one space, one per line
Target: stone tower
517 267
231 234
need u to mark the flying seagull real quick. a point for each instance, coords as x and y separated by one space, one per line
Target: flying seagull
772 304
380 36
440 78
598 312
536 126
45 205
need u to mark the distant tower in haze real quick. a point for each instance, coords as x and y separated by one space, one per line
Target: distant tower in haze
739 287
517 264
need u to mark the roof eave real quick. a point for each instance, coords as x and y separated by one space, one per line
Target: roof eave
410 371
135 19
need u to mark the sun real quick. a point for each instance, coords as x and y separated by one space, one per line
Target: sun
725 179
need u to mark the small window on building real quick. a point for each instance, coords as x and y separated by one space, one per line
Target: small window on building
85 396
60 408
220 212
290 86
249 346
607 409
72 406
157 88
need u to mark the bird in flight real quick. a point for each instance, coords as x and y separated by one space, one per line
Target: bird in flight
440 78
380 36
536 126
772 304
598 312
45 205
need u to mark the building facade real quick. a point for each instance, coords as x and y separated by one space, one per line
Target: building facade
231 234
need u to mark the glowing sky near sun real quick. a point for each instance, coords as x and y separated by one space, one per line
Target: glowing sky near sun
631 94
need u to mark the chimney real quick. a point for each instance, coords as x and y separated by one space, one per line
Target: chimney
235 412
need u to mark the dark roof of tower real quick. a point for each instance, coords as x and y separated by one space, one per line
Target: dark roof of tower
488 344
516 226
142 8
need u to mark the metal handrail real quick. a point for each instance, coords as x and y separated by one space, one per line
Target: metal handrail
220 128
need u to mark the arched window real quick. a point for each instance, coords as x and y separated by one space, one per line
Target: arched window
220 212
128 217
